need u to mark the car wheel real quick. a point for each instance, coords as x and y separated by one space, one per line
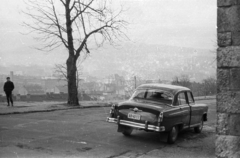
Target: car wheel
127 132
199 128
173 134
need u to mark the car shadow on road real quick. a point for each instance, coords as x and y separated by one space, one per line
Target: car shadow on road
161 138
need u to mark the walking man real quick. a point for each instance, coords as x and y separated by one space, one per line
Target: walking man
8 88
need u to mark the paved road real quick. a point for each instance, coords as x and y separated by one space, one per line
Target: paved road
84 133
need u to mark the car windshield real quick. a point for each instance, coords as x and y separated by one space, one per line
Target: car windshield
153 95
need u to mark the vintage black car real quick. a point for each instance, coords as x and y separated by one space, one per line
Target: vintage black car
159 108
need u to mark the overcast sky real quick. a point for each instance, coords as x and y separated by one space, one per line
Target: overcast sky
186 23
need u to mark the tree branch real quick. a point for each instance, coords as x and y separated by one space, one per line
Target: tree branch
58 26
63 2
79 12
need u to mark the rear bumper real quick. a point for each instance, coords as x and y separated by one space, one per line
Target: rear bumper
136 125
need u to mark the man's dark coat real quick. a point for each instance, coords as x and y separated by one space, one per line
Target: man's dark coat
8 86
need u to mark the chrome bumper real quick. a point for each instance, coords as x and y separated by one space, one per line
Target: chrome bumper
136 125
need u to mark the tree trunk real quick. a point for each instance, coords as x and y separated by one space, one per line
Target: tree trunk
72 82
71 61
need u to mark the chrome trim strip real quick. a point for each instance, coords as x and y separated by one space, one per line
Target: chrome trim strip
136 125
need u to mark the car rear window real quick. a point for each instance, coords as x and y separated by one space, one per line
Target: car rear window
154 95
139 94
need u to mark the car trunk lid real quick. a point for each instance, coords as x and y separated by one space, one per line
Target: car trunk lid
141 111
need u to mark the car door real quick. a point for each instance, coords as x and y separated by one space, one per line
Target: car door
184 108
194 109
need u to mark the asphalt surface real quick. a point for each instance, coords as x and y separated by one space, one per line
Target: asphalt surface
83 132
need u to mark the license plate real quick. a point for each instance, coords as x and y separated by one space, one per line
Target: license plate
134 116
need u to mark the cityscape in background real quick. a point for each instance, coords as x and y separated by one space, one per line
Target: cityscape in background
117 82
89 88
161 46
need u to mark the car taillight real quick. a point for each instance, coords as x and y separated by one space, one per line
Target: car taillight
160 118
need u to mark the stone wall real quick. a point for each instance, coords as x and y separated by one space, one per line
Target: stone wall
228 79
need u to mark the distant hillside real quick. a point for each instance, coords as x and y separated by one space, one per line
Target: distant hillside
142 60
153 62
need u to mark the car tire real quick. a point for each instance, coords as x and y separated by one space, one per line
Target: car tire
199 128
173 134
127 132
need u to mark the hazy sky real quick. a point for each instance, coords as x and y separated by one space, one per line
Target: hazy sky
186 23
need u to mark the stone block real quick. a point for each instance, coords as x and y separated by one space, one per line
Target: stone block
228 56
224 39
234 124
222 123
223 79
236 39
226 3
227 146
235 79
228 19
228 124
228 102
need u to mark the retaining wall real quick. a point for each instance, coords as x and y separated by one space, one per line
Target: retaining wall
228 79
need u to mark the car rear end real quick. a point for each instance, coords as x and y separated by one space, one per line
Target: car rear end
137 116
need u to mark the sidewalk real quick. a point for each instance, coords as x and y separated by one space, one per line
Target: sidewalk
46 106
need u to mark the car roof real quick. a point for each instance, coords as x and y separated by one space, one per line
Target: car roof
166 87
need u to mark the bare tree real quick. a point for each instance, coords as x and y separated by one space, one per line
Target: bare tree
77 25
129 87
60 71
131 84
175 80
182 80
210 86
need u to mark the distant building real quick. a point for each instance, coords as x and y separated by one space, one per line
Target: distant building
60 89
34 89
20 90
